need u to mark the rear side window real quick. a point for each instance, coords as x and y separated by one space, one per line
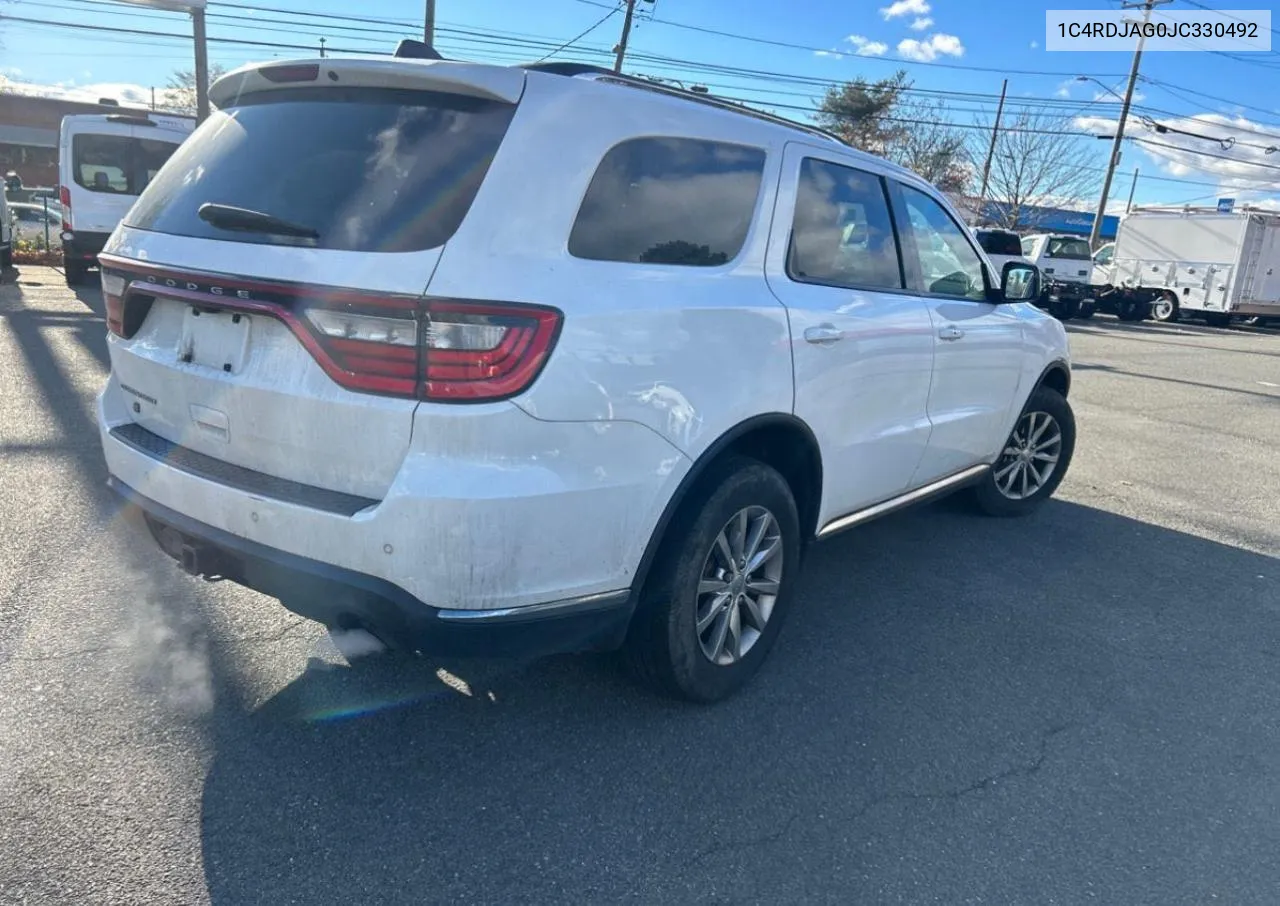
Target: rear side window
669 201
1028 248
996 243
117 164
842 234
369 170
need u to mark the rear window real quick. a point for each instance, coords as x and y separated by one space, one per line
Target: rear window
1066 247
370 170
669 201
117 164
996 243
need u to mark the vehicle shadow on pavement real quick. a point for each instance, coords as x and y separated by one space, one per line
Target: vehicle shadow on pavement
958 710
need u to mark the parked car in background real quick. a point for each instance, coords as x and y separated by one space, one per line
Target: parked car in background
37 224
6 234
1066 263
409 361
1001 246
104 164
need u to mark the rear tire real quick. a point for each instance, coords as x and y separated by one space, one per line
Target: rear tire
1130 310
1164 309
704 625
1018 482
1086 311
75 272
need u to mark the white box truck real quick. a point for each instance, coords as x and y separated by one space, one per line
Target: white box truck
1196 262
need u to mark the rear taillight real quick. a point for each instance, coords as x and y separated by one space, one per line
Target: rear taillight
484 351
113 297
375 351
449 351
64 196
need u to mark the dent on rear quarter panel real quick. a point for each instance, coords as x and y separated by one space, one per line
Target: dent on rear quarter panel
686 351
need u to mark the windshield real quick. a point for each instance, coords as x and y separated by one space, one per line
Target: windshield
117 164
1069 247
365 169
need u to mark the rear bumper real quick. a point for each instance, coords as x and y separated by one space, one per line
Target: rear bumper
83 246
344 598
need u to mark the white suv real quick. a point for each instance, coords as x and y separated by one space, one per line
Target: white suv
508 361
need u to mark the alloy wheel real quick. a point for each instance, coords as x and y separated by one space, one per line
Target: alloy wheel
1030 456
739 585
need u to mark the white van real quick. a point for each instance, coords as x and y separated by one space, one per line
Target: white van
104 163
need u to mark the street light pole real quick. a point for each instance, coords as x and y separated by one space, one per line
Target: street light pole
202 64
429 24
1147 6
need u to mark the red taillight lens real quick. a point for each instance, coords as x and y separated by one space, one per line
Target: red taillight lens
113 286
374 350
476 352
64 196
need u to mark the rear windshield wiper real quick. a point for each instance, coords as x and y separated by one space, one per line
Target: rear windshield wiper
226 217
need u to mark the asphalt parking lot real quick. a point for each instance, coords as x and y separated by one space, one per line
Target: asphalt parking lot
1079 707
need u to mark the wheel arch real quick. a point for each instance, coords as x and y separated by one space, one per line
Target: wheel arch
778 439
1056 376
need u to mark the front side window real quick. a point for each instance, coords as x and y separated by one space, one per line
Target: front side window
842 234
669 201
948 264
1104 256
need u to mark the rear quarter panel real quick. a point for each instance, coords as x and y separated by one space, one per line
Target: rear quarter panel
688 352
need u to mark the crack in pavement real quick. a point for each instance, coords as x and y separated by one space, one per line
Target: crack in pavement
1025 770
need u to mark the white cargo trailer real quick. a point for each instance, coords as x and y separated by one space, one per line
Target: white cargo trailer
1198 262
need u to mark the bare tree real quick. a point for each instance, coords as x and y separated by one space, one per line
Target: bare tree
1039 162
180 93
882 118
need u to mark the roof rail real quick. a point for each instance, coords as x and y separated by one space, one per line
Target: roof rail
708 100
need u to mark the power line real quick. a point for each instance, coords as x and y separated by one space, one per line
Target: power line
574 40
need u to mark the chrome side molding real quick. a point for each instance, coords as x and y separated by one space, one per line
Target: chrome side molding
941 486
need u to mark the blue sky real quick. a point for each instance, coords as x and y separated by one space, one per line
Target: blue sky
833 41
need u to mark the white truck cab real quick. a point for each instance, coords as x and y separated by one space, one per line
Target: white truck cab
104 163
1067 265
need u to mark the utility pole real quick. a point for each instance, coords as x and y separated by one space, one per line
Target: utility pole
991 152
1133 185
626 31
202 64
322 48
429 24
1147 6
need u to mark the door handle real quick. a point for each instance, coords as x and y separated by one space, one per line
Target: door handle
823 333
950 333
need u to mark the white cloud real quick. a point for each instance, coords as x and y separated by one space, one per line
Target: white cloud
866 47
921 23
128 94
826 53
1035 45
1244 167
905 8
929 50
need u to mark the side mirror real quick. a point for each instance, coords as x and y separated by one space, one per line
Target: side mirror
1020 282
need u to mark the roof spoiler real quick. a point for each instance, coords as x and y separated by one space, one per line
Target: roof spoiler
128 120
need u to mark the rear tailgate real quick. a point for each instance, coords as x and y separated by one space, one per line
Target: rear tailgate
289 355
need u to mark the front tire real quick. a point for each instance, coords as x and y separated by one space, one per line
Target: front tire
721 586
1034 459
1086 310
